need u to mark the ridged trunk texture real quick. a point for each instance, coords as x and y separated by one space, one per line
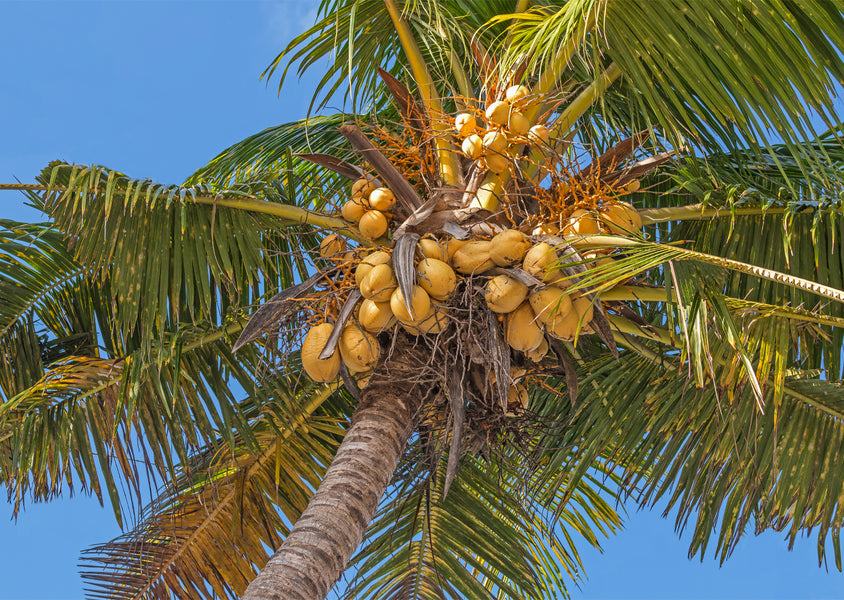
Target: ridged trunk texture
315 554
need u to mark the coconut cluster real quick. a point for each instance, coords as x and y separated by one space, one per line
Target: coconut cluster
614 217
490 145
530 311
369 208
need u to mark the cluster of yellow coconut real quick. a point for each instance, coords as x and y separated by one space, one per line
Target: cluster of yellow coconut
369 208
506 126
614 217
529 315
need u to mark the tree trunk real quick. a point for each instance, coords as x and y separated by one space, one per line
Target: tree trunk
315 554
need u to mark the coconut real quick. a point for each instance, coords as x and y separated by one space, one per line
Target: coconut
465 124
622 218
546 229
633 186
517 397
584 308
494 143
498 112
515 93
518 123
420 302
375 316
508 247
582 222
540 261
362 379
318 369
436 278
332 245
353 210
473 146
504 293
550 304
363 187
452 245
358 349
373 224
431 248
382 199
379 283
563 327
436 322
538 353
522 331
497 163
539 135
379 257
472 258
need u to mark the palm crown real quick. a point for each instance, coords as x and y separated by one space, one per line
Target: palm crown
697 359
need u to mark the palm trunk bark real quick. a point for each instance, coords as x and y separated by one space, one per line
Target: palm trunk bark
315 554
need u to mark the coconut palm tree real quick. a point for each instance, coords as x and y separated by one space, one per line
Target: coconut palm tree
696 360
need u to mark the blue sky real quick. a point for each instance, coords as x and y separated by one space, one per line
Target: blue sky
156 89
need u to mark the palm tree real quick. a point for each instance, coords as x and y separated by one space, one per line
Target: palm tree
708 374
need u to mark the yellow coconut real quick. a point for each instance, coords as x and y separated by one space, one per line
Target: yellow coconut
379 283
382 199
494 143
540 260
353 210
504 294
517 398
358 349
375 316
633 186
432 248
497 163
522 332
464 123
373 224
538 353
320 370
331 246
452 245
508 247
379 257
362 379
515 93
436 322
539 135
546 229
518 123
420 302
550 304
363 187
473 146
498 112
582 222
622 218
563 327
472 258
436 278
584 308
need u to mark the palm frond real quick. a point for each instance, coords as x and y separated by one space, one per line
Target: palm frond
483 539
208 534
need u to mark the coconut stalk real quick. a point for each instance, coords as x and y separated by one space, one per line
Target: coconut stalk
447 159
699 212
315 553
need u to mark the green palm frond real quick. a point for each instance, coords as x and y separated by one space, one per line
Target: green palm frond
485 538
696 70
217 525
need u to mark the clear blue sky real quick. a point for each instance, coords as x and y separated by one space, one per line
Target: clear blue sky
156 89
